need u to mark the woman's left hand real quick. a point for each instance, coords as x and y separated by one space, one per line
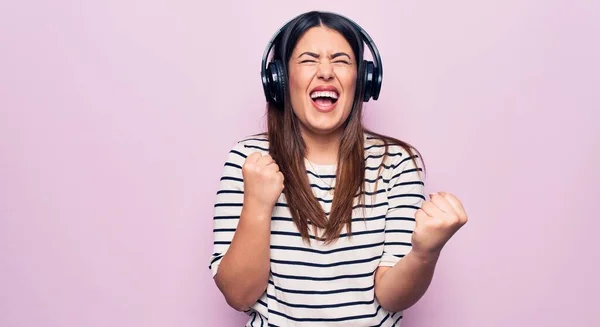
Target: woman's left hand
436 222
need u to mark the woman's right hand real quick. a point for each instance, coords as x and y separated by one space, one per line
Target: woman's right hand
263 182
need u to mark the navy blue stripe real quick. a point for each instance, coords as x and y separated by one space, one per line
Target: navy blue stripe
322 188
354 219
230 192
323 200
256 147
231 164
323 279
238 153
386 243
398 231
383 190
336 291
400 218
217 258
397 243
311 250
408 195
397 319
326 319
412 170
321 306
395 176
381 322
405 207
380 177
323 265
228 204
384 166
372 156
392 166
407 183
375 146
226 217
280 204
229 178
341 235
216 230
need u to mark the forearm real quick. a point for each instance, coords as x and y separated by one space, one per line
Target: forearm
244 270
401 286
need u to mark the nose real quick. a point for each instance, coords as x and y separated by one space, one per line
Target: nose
325 71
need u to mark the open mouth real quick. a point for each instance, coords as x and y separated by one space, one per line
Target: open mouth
324 100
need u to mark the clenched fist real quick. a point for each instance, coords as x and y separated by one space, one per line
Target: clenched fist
263 182
436 222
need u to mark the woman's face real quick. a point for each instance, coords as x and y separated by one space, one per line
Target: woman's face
322 80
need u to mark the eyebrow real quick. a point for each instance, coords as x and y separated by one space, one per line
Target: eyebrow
333 56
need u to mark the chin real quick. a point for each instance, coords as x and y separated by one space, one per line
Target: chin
324 129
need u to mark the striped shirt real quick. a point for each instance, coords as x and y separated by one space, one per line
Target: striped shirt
327 285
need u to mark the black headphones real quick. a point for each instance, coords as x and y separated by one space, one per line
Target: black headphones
274 81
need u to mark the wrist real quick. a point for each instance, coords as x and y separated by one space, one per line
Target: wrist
257 211
425 256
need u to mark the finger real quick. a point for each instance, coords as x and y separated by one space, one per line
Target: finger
253 157
265 160
457 205
441 202
420 215
454 202
273 167
431 209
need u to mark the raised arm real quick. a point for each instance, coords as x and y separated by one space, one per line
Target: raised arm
249 189
409 259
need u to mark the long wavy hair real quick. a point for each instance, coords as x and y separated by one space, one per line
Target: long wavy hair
288 149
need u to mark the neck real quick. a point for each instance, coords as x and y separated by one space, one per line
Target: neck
322 149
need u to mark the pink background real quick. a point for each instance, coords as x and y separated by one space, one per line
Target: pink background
116 118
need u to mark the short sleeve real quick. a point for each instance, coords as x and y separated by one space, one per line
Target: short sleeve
405 197
228 205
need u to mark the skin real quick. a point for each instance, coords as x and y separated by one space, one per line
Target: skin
323 57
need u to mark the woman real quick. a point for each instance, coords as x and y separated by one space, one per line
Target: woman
318 221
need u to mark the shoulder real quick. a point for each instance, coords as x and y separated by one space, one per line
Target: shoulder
396 157
249 144
394 150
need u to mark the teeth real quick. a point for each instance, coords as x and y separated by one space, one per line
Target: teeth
323 94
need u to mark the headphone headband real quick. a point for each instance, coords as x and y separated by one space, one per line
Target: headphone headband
274 82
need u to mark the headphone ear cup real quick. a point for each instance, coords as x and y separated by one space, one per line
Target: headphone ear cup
279 84
275 83
368 80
